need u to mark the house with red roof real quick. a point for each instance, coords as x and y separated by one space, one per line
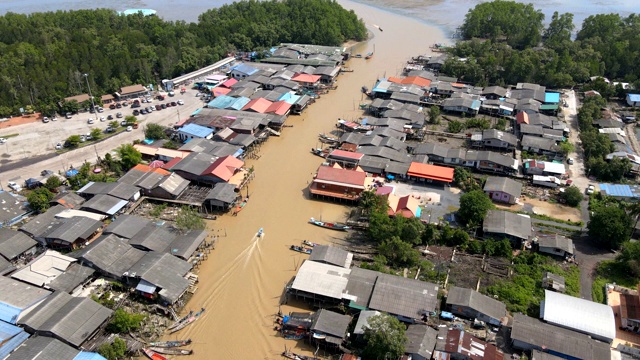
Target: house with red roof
279 108
227 84
224 169
407 206
307 81
334 182
259 105
430 173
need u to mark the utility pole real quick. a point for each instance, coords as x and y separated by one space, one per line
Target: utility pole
93 105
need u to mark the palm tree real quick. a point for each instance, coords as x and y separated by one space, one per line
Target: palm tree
634 211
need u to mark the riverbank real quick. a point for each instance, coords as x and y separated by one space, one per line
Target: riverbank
242 283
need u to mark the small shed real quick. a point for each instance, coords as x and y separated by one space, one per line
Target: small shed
330 327
551 281
331 255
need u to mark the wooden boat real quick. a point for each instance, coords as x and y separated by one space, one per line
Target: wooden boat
260 233
177 323
328 139
168 351
301 249
320 152
153 355
329 225
188 321
290 355
369 56
309 243
170 344
241 206
357 56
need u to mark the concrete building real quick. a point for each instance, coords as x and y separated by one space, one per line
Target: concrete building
503 189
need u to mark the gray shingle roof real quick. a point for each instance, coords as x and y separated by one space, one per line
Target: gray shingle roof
105 204
331 323
331 255
111 255
44 348
69 318
5 266
71 278
37 226
73 229
186 244
504 222
360 286
20 295
541 335
401 296
11 206
223 192
539 143
476 301
69 200
14 243
503 184
556 241
126 226
421 340
164 271
152 237
120 190
500 135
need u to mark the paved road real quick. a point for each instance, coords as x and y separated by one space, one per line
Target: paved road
36 137
588 256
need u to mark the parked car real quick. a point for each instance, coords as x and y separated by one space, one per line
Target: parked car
164 106
45 119
110 117
108 129
591 189
102 119
88 136
119 115
54 118
158 107
125 103
143 112
171 93
14 186
118 106
160 97
173 103
123 123
68 115
3 140
180 102
90 121
129 128
83 138
570 161
135 125
112 106
100 109
198 94
136 112
59 146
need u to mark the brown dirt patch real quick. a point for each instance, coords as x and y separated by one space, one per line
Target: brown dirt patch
554 210
20 120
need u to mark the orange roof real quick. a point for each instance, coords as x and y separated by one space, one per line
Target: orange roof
406 206
229 82
394 79
224 167
147 168
416 80
458 85
259 105
306 78
351 178
522 118
146 149
221 91
279 107
433 172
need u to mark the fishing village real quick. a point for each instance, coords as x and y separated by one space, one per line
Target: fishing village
315 203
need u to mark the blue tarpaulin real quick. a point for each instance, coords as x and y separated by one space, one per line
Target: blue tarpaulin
72 172
146 287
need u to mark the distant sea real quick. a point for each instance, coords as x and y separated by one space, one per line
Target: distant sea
446 14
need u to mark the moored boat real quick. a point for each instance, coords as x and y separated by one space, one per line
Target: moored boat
369 56
171 344
168 351
188 321
329 225
301 249
153 355
177 323
308 243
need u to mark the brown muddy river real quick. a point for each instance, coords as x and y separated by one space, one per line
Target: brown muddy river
242 281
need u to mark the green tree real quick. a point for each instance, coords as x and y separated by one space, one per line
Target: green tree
398 252
434 114
455 126
559 31
52 183
474 206
114 124
73 141
189 219
96 134
610 226
39 199
130 120
385 338
370 202
123 322
463 178
630 257
572 196
114 351
129 156
381 226
566 147
155 132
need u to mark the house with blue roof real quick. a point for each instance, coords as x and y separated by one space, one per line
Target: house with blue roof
191 131
10 338
241 71
621 191
633 99
18 298
228 102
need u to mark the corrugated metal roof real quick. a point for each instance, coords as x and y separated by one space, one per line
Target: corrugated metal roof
126 226
105 204
146 287
111 255
14 243
579 314
421 340
41 223
152 237
620 190
322 279
11 343
331 323
476 301
165 271
44 348
68 318
72 229
16 296
402 296
360 286
504 222
331 255
186 244
44 269
75 275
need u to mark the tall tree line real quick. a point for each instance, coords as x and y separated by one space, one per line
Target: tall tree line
507 43
43 56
